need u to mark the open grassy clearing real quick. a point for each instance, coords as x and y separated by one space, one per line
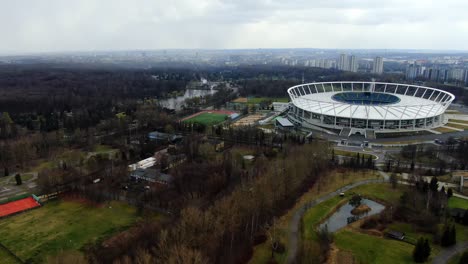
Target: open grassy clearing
380 191
207 118
257 100
455 202
458 126
353 154
327 184
102 148
403 142
62 225
372 249
459 121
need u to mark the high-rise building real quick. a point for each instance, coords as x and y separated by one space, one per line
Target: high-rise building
377 68
413 71
457 74
343 62
353 66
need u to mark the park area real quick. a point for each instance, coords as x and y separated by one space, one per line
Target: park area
61 225
208 118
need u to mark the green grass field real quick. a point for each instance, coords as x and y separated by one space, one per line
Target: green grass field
459 121
444 130
353 154
207 119
6 258
371 249
102 148
457 126
257 100
455 202
62 225
381 191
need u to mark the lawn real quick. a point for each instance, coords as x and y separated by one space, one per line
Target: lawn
6 258
459 121
381 191
444 130
257 100
457 126
455 202
102 148
207 118
353 154
62 225
372 249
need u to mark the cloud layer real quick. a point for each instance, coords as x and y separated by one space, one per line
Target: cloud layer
57 25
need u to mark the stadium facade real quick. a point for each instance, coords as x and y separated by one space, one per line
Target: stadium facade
367 106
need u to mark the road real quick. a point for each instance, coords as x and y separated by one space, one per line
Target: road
8 187
448 253
295 221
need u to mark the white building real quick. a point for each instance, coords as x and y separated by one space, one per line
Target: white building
377 67
353 66
343 63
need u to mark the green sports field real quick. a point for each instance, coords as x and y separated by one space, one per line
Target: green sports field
207 118
62 225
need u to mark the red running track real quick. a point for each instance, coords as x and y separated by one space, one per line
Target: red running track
18 206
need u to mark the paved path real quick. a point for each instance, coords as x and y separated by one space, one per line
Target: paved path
295 221
448 253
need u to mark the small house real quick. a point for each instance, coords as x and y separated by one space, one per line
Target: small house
395 235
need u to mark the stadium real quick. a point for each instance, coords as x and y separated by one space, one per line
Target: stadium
367 107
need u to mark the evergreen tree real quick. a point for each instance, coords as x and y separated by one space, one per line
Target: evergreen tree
6 172
464 258
453 235
422 250
418 251
369 162
18 179
393 180
434 184
426 249
449 193
465 218
445 239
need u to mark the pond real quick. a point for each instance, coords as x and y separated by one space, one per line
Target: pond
176 103
339 218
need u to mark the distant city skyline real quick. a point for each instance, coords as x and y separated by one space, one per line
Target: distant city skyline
34 26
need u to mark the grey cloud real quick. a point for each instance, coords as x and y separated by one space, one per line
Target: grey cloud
57 25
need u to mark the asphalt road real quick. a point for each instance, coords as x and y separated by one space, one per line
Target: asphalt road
448 253
428 138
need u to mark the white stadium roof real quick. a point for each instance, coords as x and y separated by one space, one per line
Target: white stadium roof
415 102
408 108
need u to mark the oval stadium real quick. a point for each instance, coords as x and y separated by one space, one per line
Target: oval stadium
367 107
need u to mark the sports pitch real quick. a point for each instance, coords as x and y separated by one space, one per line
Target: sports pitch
207 118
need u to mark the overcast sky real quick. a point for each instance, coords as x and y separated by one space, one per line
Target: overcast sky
88 25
